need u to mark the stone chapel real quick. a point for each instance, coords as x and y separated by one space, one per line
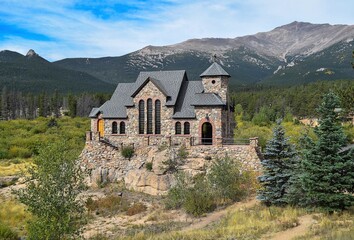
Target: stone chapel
165 107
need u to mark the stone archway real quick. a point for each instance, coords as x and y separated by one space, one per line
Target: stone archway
207 134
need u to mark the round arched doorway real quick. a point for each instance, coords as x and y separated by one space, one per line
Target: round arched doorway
207 134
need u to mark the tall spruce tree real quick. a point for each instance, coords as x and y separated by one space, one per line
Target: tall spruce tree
328 173
279 157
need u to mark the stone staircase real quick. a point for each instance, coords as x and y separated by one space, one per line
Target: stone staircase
109 143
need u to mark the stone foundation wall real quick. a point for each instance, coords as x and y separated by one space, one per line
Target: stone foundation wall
104 163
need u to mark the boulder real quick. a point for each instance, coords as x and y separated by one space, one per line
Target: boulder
148 182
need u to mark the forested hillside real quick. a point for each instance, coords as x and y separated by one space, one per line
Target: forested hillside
300 101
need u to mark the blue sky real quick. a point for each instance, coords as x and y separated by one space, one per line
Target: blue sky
59 29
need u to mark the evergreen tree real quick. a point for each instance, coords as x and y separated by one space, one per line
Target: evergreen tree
295 194
328 174
279 157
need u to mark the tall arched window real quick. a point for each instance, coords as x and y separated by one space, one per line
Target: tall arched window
186 128
114 128
157 117
149 116
178 128
122 128
141 116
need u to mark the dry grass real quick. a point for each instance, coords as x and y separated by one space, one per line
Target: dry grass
13 214
248 223
136 208
108 205
13 167
337 226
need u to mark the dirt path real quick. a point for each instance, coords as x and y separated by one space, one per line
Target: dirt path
305 223
215 216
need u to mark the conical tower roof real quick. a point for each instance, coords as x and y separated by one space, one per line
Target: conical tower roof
214 70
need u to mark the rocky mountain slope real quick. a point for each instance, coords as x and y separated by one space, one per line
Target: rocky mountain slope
295 53
32 73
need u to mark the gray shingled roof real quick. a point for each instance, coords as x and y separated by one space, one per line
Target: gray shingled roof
156 82
207 99
214 70
94 112
169 82
183 108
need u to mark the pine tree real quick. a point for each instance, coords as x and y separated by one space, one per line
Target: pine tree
328 174
295 194
279 157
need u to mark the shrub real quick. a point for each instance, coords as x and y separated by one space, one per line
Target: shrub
106 206
148 166
176 160
52 123
20 152
3 154
226 179
176 195
136 208
199 199
127 152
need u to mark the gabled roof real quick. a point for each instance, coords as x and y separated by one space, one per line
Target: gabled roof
192 94
183 108
214 70
156 82
171 81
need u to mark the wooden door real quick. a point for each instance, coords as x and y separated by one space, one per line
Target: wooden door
101 127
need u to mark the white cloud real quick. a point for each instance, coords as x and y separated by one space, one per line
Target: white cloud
78 33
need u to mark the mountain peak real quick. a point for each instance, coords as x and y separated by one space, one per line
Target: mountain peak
31 53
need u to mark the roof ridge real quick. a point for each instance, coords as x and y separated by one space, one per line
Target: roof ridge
214 70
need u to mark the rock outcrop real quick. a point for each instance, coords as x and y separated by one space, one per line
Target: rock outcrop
104 163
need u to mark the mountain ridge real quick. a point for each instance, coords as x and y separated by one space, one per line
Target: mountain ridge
250 59
294 53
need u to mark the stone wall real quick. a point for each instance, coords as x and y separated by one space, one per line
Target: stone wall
104 163
217 85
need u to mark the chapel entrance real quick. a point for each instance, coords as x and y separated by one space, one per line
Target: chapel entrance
207 134
100 127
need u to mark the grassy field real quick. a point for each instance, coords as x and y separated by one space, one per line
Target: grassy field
21 139
257 222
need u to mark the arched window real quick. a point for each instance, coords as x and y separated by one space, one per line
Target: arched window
141 116
178 128
114 128
186 128
149 116
157 117
122 128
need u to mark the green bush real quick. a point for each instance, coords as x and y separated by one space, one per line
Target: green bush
193 195
3 154
176 195
226 179
176 160
127 152
7 233
199 199
20 152
148 166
